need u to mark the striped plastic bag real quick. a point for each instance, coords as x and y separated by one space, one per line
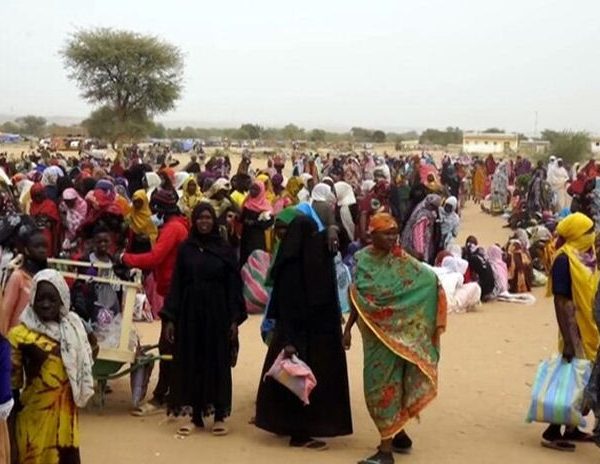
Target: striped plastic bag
557 395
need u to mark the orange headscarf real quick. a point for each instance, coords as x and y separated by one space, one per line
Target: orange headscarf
381 222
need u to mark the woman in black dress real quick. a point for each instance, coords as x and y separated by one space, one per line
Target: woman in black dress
202 313
305 307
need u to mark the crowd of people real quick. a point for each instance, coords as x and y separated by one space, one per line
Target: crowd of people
361 238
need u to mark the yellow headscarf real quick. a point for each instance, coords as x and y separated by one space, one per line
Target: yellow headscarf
140 219
266 180
577 231
292 189
188 202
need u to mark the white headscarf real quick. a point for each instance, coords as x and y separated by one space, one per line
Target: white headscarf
75 349
454 264
305 178
367 186
346 198
322 192
180 178
152 181
455 250
345 194
50 175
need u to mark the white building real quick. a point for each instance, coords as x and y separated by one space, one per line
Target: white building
484 143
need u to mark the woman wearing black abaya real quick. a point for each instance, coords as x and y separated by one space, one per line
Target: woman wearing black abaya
305 307
203 310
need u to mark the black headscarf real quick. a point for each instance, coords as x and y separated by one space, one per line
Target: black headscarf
212 242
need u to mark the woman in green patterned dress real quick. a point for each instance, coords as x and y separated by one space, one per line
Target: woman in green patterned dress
401 313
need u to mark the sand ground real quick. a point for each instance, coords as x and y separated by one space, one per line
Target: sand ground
489 359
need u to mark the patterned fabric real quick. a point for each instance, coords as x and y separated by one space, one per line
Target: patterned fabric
402 313
47 430
254 275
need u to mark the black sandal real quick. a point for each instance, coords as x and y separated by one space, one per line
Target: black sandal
379 458
578 436
309 443
559 445
401 444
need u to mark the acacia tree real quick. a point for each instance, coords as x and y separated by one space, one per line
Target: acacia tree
132 77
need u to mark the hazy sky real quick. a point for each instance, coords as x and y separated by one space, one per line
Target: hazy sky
336 64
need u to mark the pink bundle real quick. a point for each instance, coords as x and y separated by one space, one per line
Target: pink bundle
295 375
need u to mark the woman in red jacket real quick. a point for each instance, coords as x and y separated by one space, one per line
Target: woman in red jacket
161 260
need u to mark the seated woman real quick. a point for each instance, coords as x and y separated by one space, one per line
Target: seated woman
520 269
480 268
462 297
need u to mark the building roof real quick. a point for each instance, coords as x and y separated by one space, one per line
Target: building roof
509 136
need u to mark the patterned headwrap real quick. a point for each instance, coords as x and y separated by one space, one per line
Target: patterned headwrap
382 222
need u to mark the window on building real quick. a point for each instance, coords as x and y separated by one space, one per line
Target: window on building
598 144
486 142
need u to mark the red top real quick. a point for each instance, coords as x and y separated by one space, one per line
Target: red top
162 258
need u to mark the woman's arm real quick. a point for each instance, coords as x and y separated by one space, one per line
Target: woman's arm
347 338
565 316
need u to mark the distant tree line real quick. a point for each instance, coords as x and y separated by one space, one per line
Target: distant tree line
27 125
290 132
452 135
569 145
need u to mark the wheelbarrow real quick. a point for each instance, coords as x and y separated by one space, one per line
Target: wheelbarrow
110 362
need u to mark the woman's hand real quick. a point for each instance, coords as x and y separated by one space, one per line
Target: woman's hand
289 351
568 352
170 332
333 240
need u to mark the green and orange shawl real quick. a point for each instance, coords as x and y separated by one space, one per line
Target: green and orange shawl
402 312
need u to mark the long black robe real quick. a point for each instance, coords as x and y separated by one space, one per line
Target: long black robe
204 300
305 306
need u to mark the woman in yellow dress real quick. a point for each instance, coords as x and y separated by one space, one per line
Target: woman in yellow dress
51 348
